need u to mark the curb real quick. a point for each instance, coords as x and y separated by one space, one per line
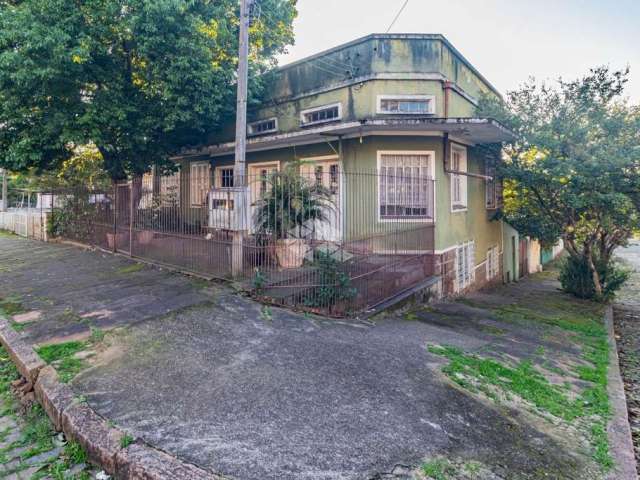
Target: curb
618 430
81 423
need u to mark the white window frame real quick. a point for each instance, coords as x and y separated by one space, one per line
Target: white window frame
493 262
218 175
465 265
202 185
432 156
430 98
461 205
252 125
317 109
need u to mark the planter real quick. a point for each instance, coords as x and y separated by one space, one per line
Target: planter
290 252
116 239
145 237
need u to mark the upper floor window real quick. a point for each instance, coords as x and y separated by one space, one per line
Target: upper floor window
327 113
406 104
263 126
458 181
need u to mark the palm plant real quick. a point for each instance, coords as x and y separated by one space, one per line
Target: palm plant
291 205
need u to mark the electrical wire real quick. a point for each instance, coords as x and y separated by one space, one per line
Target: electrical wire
398 15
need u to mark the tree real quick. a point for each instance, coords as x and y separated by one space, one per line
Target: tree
573 172
139 79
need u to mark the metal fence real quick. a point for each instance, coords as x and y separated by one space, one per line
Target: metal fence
322 240
23 214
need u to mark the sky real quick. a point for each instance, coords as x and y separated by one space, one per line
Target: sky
508 41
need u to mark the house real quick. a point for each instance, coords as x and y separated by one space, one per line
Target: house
387 125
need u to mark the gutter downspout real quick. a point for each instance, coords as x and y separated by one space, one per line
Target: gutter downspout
446 87
446 148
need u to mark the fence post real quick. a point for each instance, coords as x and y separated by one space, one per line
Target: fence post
131 218
115 217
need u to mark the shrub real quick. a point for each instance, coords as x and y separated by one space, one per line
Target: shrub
335 282
576 278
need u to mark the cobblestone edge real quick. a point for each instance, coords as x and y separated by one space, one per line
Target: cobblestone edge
619 430
81 423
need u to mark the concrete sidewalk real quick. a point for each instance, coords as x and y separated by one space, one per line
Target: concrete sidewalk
251 392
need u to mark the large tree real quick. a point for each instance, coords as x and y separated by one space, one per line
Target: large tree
139 79
573 172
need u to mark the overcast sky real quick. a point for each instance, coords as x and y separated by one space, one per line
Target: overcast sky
506 40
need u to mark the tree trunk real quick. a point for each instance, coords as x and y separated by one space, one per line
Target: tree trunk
594 273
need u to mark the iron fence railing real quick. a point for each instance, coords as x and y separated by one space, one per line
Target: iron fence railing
323 240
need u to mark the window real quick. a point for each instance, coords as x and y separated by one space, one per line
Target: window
491 194
406 104
465 265
200 183
405 186
146 196
328 113
224 177
263 126
170 190
493 267
458 182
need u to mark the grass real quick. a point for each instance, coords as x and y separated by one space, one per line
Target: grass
37 432
11 306
133 268
62 354
126 440
590 409
439 469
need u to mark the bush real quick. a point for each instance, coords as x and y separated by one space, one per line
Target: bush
576 278
335 284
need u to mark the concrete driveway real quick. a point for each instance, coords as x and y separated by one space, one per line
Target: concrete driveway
256 393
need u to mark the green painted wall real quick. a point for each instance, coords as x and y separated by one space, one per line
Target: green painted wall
510 259
361 192
417 63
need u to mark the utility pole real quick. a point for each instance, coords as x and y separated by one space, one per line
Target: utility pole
4 204
241 204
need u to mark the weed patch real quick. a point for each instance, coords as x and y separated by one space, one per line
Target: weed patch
62 355
133 268
590 410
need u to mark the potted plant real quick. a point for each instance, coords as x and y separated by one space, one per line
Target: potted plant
289 207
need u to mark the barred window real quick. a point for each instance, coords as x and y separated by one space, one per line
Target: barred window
493 267
465 265
491 191
170 190
405 186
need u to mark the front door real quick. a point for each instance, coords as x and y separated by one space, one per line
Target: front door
258 185
327 172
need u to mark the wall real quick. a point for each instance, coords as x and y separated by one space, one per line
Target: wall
510 258
361 202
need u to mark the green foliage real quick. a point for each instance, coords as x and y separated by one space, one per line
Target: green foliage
126 440
335 283
62 355
76 216
589 408
576 278
138 79
439 469
292 204
573 171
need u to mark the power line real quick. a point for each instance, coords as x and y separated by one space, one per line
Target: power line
397 16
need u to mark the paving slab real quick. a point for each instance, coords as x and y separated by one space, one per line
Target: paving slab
249 392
